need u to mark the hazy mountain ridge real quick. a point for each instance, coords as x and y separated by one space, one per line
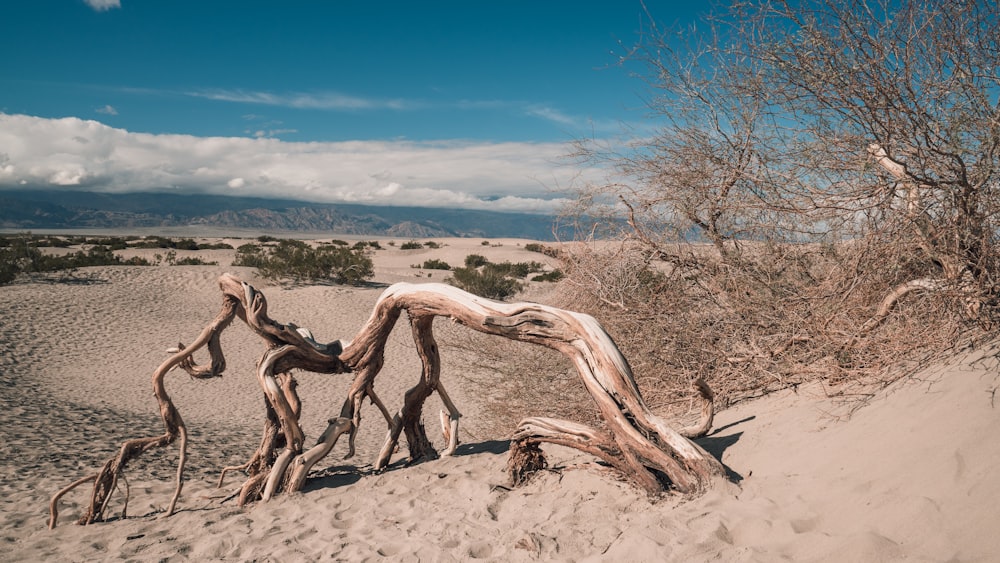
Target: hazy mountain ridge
39 209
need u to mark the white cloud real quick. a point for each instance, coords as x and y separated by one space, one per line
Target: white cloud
103 5
551 114
303 100
107 110
478 175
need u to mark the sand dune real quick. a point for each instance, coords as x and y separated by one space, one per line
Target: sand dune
908 477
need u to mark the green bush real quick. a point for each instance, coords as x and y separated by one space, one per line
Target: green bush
495 281
215 246
553 276
194 261
186 244
298 261
475 260
22 256
487 282
411 245
435 264
517 270
250 255
155 242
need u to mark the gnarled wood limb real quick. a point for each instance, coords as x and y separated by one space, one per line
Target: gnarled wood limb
107 477
288 347
636 441
653 455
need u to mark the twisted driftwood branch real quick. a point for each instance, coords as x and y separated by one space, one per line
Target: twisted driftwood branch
644 447
637 442
288 347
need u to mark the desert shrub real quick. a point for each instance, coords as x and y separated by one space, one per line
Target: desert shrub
541 249
486 282
435 264
296 260
214 246
114 243
21 256
492 280
155 242
553 276
475 260
518 269
50 242
432 244
411 245
250 255
194 261
186 244
17 256
516 380
362 244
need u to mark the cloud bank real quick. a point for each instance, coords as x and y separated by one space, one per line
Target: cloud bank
73 153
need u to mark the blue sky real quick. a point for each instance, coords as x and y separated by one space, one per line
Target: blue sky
466 104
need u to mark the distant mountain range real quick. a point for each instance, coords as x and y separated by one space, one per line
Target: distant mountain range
55 209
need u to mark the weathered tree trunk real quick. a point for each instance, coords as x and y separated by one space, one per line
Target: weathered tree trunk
647 450
637 442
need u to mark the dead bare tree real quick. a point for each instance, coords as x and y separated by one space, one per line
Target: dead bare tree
636 441
815 165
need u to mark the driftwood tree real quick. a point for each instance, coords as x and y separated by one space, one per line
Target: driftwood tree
637 442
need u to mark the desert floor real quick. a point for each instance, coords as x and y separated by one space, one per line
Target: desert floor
910 476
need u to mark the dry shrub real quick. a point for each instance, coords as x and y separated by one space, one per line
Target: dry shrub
516 380
763 318
770 317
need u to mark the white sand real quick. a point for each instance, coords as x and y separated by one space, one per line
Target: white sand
909 477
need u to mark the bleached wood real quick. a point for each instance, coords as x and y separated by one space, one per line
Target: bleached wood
636 441
647 443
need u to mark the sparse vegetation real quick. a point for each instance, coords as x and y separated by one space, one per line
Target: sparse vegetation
20 255
411 245
491 280
435 264
298 261
362 244
553 276
194 261
177 244
542 249
475 260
